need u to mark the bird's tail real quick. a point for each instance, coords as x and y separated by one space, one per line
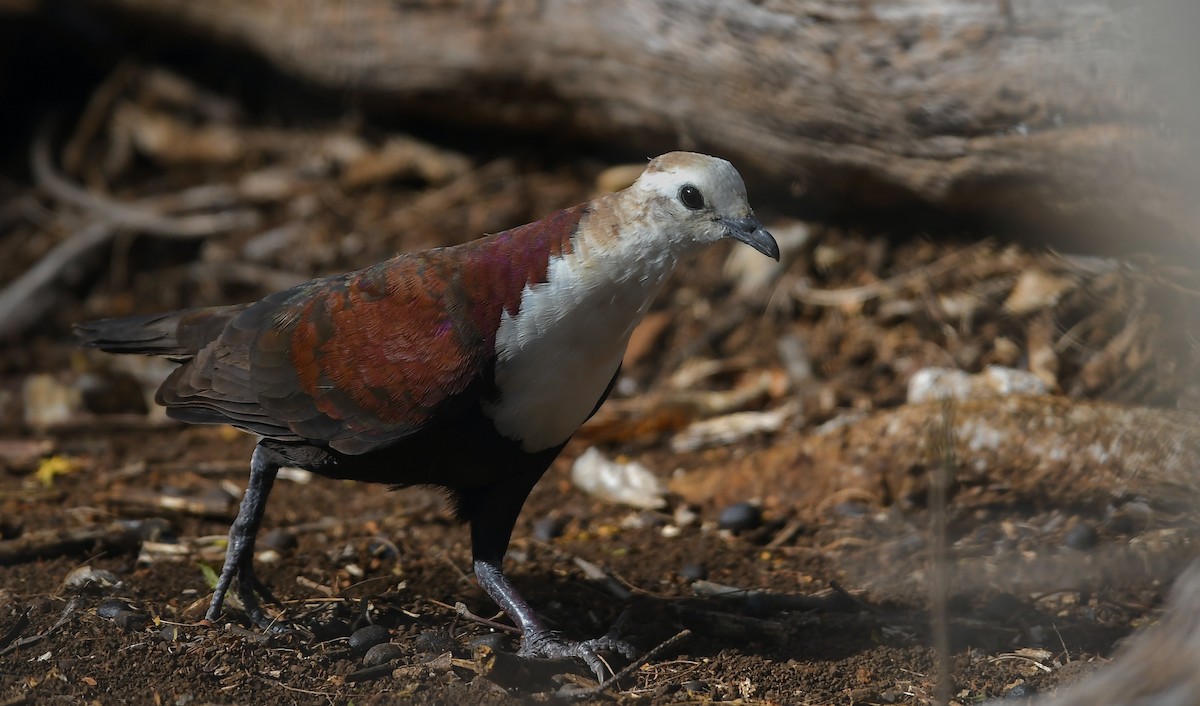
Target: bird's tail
177 334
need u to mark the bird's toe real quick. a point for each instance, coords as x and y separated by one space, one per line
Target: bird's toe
610 643
551 646
251 598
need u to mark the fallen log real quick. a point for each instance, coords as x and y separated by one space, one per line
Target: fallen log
1050 115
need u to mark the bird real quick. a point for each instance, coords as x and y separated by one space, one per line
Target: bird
466 367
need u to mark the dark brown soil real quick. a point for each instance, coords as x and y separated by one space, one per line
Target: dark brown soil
874 649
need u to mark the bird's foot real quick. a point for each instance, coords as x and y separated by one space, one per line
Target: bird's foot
251 592
549 645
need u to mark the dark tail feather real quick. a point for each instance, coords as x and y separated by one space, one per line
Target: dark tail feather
178 334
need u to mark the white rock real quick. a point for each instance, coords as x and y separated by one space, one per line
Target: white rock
932 384
628 483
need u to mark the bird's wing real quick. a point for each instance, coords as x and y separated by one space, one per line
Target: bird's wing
359 361
355 361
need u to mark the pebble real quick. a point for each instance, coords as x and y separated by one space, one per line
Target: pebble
381 654
170 633
933 384
628 483
364 639
331 630
215 494
219 497
693 571
381 549
1131 518
695 686
109 607
379 671
130 621
497 641
154 529
740 517
685 516
1082 537
548 528
279 539
434 641
1020 692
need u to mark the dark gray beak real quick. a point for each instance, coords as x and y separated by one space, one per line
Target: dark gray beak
750 231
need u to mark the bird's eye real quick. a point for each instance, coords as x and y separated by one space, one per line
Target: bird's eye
691 197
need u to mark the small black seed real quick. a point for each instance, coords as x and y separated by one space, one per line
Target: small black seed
740 517
1020 692
695 686
364 639
382 653
1082 537
693 571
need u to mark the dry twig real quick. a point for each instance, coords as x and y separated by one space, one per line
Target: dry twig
30 296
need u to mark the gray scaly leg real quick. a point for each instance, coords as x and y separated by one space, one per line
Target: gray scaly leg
239 556
492 513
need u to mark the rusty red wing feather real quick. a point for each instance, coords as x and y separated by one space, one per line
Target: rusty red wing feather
367 358
382 361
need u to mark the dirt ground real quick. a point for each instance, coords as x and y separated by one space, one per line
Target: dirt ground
350 556
837 597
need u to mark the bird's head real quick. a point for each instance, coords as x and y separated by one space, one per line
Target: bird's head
701 199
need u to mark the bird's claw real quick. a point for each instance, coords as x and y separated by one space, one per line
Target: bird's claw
549 645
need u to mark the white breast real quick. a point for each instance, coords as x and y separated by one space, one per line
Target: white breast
555 358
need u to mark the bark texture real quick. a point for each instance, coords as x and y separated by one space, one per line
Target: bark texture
1043 113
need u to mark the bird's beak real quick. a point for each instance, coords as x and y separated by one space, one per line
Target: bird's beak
750 231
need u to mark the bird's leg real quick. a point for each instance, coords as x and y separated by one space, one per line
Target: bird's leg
492 523
239 556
